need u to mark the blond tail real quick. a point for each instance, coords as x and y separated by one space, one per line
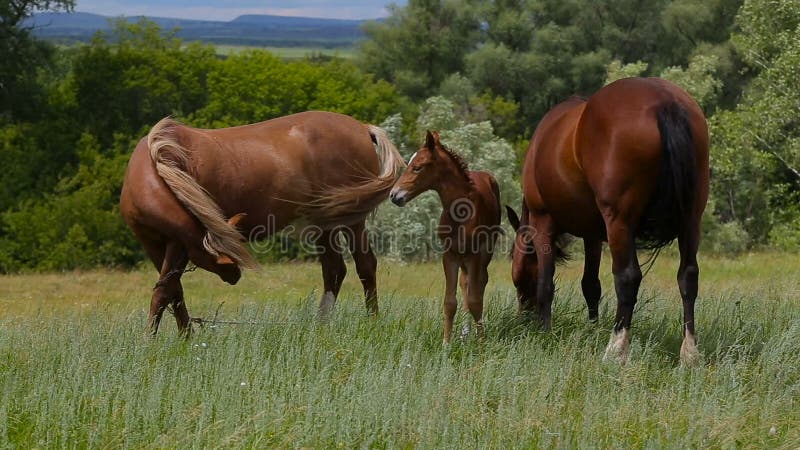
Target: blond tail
348 203
171 160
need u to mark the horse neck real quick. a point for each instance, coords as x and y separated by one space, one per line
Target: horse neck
453 186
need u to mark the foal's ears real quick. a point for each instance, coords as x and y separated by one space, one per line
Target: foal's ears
432 141
513 218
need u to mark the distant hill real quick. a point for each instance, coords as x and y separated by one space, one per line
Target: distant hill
260 30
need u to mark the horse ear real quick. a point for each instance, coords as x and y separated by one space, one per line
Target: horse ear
234 220
513 218
430 140
224 259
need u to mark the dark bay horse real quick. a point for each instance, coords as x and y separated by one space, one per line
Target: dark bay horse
628 166
196 195
468 227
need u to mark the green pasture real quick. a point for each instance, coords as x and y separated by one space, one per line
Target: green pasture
290 52
77 371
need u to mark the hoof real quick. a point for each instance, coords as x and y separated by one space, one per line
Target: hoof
618 347
326 306
465 331
690 356
186 332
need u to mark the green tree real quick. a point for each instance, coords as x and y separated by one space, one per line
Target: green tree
756 152
255 85
78 225
131 79
420 44
536 53
22 57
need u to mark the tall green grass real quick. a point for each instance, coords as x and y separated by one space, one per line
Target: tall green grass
77 371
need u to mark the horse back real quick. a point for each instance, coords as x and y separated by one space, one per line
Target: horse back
488 194
266 170
271 168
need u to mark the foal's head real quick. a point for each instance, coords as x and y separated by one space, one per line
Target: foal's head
427 169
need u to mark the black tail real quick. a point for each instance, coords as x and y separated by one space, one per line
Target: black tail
672 202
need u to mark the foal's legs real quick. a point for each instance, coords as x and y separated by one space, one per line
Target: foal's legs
333 270
366 264
450 265
688 272
590 283
168 289
627 277
477 276
463 281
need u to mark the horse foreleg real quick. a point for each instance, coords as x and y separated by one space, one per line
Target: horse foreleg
450 302
627 277
590 283
333 271
688 274
544 242
168 289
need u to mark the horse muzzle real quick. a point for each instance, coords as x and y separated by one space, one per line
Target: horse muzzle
399 196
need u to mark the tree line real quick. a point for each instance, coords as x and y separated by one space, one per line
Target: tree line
482 71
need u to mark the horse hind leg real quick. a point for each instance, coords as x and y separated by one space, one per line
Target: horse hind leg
627 278
478 277
688 274
333 271
463 282
366 264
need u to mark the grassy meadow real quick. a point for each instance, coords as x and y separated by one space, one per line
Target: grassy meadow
290 52
77 371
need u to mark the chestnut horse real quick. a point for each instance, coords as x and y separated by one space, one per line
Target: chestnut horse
324 169
468 227
628 166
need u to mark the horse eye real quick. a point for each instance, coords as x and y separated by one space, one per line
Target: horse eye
416 169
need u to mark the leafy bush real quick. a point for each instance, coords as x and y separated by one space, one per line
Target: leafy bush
77 226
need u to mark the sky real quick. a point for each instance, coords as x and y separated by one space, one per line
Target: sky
229 9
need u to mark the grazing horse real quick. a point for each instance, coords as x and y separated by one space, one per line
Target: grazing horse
468 227
324 170
628 165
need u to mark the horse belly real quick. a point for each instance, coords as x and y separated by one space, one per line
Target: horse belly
574 210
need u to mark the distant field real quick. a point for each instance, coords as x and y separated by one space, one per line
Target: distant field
76 371
290 52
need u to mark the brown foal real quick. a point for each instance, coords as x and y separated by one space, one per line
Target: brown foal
468 227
